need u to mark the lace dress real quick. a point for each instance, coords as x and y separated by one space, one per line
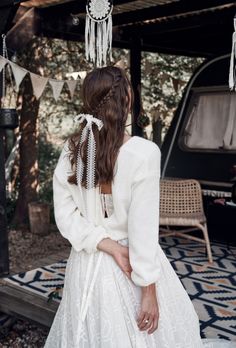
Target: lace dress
115 304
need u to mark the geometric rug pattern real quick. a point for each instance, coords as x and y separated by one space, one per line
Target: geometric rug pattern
41 281
212 288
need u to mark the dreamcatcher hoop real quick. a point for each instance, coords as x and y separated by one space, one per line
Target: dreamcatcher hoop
98 31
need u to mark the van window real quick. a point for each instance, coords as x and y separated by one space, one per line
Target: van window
211 123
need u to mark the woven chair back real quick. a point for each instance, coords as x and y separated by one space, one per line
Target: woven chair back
180 198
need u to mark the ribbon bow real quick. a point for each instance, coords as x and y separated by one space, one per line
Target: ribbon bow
90 207
91 150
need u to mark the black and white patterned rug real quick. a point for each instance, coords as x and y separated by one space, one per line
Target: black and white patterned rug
212 288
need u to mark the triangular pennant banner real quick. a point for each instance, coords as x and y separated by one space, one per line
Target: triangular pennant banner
74 75
120 64
19 73
56 88
72 85
38 84
82 74
3 62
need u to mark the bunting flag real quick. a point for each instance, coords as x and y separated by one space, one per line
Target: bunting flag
18 74
77 74
175 83
38 84
56 88
82 74
74 75
71 85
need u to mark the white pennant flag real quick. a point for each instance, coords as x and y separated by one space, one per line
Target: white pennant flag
3 62
38 84
19 73
74 75
72 85
82 74
56 88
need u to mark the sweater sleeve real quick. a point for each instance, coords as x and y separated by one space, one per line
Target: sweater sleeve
81 233
143 221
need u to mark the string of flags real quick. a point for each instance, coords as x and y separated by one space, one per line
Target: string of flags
39 82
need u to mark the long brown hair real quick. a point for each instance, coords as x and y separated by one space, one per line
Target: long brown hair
106 94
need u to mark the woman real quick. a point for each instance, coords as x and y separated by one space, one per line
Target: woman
120 290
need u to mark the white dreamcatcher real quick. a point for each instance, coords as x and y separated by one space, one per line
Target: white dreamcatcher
98 31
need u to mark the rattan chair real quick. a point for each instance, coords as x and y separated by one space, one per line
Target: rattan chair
181 205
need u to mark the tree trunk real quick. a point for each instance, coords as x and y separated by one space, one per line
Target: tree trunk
29 171
157 130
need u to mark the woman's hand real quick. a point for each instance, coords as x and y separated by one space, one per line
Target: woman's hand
149 309
119 252
121 256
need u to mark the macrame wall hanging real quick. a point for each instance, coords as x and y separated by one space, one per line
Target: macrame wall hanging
98 31
232 76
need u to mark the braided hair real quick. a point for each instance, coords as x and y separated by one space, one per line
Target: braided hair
109 94
106 94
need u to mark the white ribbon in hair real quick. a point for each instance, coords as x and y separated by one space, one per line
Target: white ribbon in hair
90 206
91 150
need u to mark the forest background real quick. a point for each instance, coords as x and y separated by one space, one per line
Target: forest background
45 123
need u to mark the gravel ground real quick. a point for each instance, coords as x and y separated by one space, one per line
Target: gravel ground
19 333
22 334
33 247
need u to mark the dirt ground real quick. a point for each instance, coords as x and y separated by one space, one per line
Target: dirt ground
25 252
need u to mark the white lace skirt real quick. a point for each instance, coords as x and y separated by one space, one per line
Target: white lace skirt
114 307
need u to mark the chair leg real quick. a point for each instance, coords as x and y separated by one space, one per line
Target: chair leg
206 237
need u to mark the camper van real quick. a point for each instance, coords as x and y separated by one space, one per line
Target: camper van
201 144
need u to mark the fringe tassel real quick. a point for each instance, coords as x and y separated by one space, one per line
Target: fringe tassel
87 34
232 77
99 44
104 43
109 35
98 40
92 41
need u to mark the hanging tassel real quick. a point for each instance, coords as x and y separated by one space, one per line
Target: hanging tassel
99 44
109 35
232 77
87 36
92 42
104 42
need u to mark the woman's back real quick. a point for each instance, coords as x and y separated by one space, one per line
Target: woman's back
118 281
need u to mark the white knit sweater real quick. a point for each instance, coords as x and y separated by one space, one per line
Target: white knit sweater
135 192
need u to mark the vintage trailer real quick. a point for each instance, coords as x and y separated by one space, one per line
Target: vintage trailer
201 144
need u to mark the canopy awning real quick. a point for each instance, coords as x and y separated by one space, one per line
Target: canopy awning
183 27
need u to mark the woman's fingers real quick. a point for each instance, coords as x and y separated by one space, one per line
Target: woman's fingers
140 318
154 325
122 259
128 275
146 323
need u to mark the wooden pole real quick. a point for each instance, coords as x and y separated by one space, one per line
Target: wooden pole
135 72
4 256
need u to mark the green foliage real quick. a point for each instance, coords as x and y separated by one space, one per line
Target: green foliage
48 157
164 78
